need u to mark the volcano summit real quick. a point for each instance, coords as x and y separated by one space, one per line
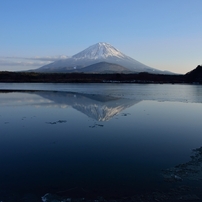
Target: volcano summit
96 55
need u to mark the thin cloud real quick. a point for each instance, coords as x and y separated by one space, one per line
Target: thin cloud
22 62
48 58
29 61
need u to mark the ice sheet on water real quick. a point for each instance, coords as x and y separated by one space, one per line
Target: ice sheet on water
191 170
158 92
54 198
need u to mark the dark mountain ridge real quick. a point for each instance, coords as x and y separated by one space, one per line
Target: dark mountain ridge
195 75
104 67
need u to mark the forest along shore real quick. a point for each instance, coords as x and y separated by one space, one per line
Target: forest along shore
89 78
194 76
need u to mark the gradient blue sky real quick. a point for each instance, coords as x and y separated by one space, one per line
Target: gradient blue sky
166 35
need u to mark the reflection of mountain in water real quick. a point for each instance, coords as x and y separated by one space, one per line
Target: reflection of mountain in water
98 107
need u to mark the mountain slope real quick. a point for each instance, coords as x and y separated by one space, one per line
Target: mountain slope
100 52
195 75
104 67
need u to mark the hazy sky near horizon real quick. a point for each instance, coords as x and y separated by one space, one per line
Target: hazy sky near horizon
166 35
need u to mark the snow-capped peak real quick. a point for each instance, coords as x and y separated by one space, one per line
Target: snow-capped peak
99 51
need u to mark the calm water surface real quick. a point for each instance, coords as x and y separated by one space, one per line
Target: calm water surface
97 139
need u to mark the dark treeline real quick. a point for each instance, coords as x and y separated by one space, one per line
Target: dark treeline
87 78
33 77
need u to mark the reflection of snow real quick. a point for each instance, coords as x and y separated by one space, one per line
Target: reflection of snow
191 170
98 107
100 112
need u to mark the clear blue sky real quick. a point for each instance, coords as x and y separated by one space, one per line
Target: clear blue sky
166 35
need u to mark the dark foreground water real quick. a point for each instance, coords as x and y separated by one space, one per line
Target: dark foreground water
90 140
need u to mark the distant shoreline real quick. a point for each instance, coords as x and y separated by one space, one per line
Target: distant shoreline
33 77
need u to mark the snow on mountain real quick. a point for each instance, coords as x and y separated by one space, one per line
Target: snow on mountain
100 52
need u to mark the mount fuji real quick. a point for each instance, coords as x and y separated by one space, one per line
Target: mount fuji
100 53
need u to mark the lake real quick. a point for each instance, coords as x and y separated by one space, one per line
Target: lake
107 140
